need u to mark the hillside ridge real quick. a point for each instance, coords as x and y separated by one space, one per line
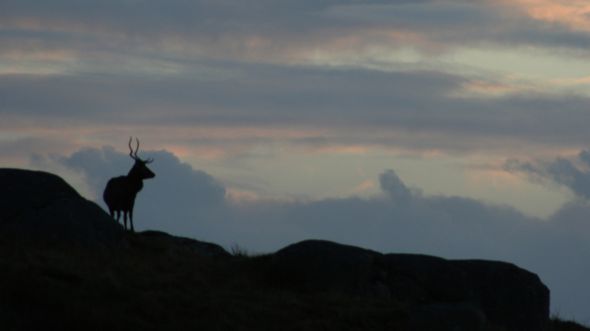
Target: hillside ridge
68 264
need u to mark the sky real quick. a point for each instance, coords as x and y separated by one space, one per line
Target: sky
452 128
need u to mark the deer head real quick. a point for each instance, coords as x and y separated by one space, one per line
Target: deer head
139 169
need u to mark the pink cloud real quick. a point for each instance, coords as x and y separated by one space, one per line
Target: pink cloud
572 13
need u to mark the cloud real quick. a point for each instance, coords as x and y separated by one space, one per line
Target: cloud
180 198
267 31
252 93
412 110
261 64
571 173
393 185
571 13
15 149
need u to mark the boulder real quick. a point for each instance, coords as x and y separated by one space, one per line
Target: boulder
509 296
42 206
318 265
464 293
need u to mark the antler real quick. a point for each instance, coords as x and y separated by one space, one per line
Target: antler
133 154
136 147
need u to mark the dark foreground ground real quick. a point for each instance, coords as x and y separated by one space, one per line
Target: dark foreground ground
155 282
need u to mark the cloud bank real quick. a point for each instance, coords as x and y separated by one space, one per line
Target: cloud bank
334 65
289 31
416 110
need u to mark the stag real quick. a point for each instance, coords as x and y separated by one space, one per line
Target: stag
120 192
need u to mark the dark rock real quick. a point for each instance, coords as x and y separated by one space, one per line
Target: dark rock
447 317
39 205
418 278
436 294
317 265
505 295
175 244
510 296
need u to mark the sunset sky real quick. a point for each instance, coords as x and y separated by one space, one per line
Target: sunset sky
453 128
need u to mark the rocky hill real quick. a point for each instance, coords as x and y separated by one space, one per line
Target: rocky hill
39 205
67 265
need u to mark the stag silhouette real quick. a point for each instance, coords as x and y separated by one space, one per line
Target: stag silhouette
120 192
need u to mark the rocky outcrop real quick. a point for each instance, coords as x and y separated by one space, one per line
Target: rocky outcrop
42 206
466 295
509 296
176 245
426 292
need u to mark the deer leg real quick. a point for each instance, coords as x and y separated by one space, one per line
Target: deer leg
131 219
125 219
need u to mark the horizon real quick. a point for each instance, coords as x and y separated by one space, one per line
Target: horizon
452 128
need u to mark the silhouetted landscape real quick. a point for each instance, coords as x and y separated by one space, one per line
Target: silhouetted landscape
66 264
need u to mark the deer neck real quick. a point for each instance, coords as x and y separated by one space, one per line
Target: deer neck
135 179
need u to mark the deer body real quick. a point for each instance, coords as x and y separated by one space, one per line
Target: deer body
120 192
